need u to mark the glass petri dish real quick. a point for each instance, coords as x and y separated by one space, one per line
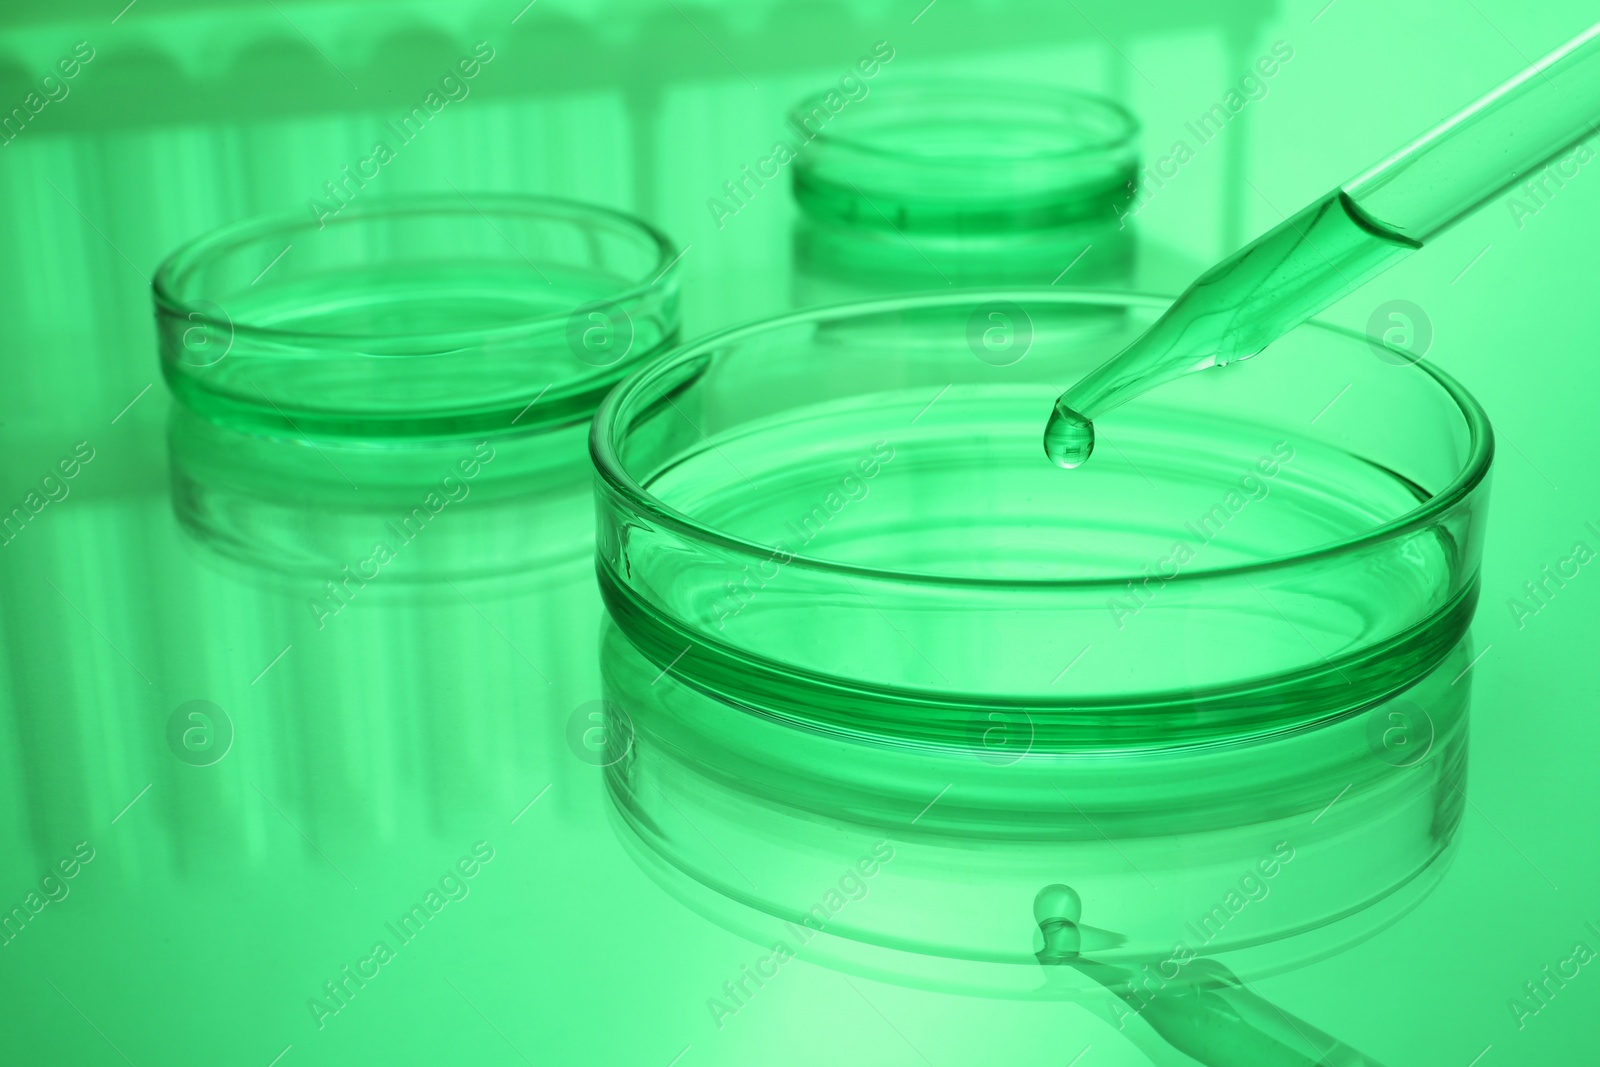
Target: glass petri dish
421 316
844 518
929 183
964 157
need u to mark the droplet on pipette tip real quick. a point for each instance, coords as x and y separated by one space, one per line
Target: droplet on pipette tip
1057 902
1068 437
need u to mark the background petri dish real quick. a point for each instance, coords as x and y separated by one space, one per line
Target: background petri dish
928 183
960 157
423 316
844 518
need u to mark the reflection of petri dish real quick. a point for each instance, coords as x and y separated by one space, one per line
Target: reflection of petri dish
837 263
920 863
422 316
847 519
436 509
963 157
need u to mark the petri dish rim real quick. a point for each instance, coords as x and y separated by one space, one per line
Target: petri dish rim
609 423
1078 102
168 280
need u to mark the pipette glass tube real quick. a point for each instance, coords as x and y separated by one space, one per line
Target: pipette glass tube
1344 239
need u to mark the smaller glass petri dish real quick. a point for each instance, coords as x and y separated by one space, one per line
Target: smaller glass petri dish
426 316
954 157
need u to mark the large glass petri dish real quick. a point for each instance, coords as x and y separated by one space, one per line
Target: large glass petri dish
844 518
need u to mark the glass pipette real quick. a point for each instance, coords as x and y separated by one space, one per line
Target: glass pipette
1344 239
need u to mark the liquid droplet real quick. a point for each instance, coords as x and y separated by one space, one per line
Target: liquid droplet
1057 902
1068 437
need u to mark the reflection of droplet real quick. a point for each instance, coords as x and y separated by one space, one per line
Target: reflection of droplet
1057 902
1062 941
1057 909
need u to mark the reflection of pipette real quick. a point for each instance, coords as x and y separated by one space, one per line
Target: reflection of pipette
1344 239
1199 1007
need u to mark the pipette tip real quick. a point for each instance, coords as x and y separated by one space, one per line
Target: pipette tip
1068 437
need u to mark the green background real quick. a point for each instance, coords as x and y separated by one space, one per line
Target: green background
376 753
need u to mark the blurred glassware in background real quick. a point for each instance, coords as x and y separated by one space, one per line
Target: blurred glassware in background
961 182
194 115
278 720
434 601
